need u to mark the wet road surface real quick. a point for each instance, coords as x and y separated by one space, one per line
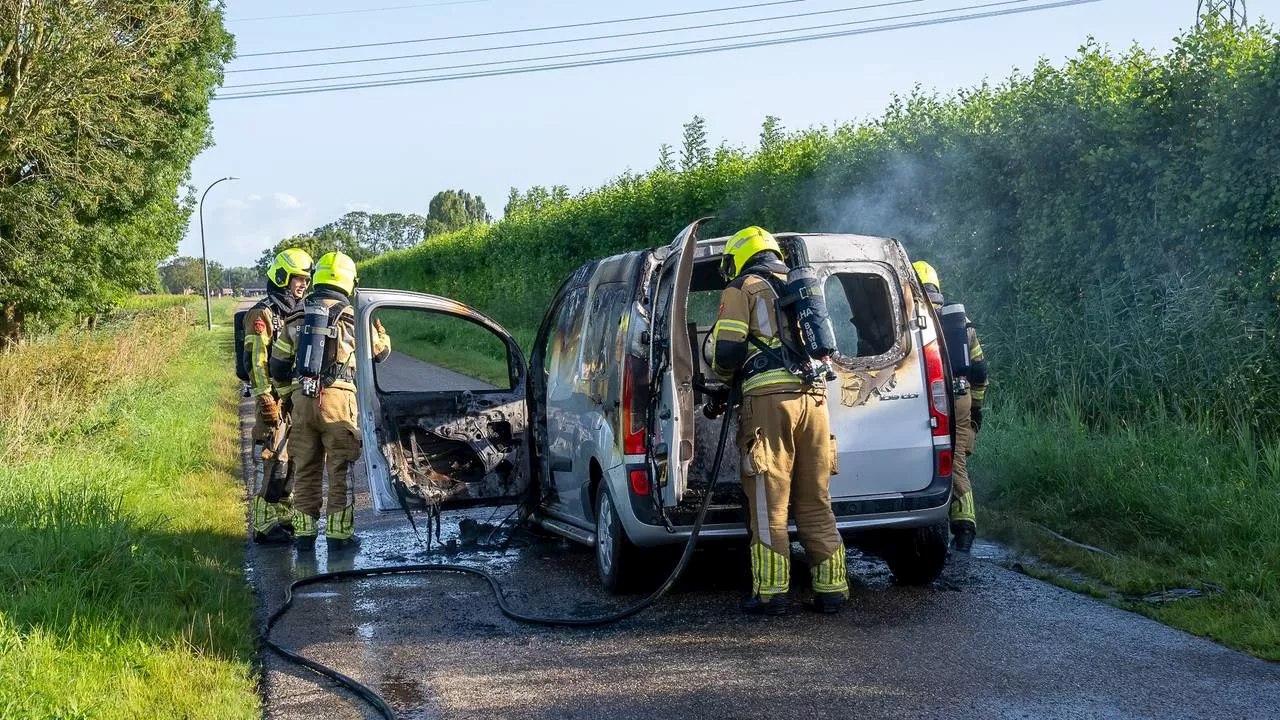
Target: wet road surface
982 642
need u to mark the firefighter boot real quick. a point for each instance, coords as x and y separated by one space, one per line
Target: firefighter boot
305 528
339 529
770 580
830 583
964 522
267 526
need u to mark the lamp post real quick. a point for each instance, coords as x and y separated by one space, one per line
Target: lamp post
208 308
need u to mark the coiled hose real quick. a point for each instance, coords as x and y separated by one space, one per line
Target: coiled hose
371 697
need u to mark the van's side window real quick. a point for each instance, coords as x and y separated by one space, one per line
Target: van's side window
566 340
599 344
861 309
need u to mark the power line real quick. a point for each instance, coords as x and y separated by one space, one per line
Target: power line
567 41
361 11
634 48
662 55
492 33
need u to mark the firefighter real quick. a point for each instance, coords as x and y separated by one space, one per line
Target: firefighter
325 434
969 372
287 279
784 437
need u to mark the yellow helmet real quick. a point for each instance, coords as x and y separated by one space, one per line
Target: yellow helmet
336 269
927 275
294 261
742 247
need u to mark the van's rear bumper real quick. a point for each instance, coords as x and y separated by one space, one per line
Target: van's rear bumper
921 508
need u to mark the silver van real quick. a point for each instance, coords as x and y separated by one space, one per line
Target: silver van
602 435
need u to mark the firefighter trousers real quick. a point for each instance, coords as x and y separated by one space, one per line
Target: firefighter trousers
962 509
324 437
787 457
269 515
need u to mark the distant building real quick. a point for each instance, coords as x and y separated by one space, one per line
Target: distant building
255 290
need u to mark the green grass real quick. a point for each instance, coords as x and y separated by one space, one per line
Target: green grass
1173 503
448 342
122 529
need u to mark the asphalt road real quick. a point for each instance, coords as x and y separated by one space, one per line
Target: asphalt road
983 641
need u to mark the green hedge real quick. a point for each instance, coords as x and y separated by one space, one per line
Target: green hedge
1111 223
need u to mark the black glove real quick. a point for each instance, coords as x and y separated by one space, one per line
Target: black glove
975 416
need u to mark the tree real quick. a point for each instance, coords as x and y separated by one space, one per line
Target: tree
379 233
665 162
771 133
103 106
451 210
186 273
694 152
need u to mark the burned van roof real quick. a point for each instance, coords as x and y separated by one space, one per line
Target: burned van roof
826 247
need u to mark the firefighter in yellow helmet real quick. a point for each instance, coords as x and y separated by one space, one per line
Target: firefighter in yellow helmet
287 279
318 349
784 436
969 372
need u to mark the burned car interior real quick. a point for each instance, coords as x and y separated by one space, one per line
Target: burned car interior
459 445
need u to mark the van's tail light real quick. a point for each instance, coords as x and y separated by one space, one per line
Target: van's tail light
939 412
635 404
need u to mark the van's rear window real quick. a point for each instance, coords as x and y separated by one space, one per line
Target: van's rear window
861 309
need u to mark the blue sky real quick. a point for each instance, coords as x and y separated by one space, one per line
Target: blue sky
307 159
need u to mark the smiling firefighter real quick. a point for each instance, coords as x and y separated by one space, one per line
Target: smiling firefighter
263 324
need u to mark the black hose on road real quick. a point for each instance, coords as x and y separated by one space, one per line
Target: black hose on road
371 697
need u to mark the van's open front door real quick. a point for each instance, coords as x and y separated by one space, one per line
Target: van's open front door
672 423
443 418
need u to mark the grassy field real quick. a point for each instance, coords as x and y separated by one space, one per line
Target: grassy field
122 524
1171 505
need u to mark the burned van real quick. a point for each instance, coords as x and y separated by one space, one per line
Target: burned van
603 434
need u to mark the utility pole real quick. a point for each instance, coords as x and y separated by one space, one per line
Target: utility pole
1230 12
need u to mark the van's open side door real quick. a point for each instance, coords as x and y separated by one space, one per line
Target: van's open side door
671 422
453 438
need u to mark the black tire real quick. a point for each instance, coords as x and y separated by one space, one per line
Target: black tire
616 561
917 556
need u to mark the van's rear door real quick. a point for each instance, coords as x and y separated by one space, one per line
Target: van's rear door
879 406
671 421
444 415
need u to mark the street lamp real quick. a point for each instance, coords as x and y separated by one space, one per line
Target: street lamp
208 308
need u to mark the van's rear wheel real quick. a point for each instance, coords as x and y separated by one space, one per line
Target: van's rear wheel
916 556
615 555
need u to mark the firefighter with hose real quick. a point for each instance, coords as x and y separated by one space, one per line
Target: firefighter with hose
969 374
318 353
263 324
786 448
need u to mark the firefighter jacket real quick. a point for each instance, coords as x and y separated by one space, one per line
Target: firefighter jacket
339 370
263 323
748 307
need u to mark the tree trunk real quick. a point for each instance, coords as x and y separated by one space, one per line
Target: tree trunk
10 326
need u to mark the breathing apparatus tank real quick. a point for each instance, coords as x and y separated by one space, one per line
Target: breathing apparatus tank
955 331
807 304
312 342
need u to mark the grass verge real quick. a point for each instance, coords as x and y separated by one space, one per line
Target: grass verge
1168 505
122 526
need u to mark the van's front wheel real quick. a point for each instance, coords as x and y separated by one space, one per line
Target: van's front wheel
916 556
615 555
